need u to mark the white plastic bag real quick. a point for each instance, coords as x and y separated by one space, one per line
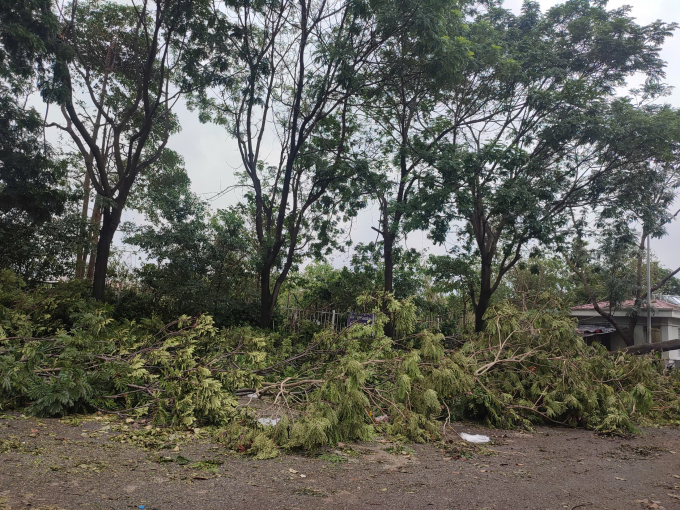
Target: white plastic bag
268 421
474 438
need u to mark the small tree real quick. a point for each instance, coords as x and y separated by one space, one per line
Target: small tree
198 261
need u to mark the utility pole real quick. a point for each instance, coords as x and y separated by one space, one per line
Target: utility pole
649 295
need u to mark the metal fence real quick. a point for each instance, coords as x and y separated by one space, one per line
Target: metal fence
294 318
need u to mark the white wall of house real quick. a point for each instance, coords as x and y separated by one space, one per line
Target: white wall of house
667 322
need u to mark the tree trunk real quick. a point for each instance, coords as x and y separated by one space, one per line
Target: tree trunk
484 299
464 312
106 233
81 255
634 316
668 345
266 298
632 323
388 248
95 225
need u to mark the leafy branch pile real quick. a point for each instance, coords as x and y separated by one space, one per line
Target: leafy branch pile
526 368
182 373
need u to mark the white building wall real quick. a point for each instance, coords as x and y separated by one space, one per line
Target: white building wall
639 335
665 332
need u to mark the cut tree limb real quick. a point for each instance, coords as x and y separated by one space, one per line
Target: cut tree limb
668 345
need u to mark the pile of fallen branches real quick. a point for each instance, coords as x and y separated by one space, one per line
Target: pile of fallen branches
526 368
182 373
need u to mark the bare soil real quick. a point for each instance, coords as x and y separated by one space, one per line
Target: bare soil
83 463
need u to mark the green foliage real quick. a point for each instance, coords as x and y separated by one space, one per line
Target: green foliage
513 182
39 226
181 373
541 281
28 31
528 368
61 353
199 262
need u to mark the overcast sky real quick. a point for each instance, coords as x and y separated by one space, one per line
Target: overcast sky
211 157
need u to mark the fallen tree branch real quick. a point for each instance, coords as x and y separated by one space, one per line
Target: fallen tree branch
668 345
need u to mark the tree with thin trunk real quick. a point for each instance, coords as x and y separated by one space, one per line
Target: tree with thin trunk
402 125
293 68
114 85
644 198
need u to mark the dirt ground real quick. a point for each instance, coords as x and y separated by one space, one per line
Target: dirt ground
94 463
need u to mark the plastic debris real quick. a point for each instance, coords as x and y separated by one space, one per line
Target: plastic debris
268 421
252 395
474 438
382 418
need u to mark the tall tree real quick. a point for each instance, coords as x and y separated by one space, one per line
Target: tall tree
28 174
36 229
122 59
548 134
401 120
286 101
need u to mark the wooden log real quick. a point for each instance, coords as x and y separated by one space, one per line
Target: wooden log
668 345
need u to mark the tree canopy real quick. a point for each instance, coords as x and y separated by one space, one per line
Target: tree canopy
507 136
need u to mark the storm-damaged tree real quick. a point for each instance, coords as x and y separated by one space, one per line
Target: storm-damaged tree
287 100
548 135
114 85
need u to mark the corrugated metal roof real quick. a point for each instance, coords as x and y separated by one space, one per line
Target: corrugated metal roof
658 302
668 298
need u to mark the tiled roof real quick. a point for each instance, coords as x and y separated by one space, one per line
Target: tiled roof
630 303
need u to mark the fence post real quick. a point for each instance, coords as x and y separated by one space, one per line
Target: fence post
333 321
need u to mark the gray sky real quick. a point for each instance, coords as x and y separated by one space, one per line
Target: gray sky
211 156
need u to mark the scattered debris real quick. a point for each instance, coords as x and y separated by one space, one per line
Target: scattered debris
636 452
268 422
474 438
308 491
649 504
